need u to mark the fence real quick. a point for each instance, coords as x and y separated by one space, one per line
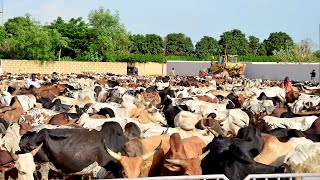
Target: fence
303 176
217 177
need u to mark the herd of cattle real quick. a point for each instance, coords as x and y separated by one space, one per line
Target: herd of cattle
109 126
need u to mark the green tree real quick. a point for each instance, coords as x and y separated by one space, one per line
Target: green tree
254 45
15 24
137 45
178 45
77 34
154 44
317 53
278 41
110 35
262 51
206 47
234 42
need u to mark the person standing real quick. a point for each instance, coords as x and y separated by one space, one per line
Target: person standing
286 84
313 75
172 72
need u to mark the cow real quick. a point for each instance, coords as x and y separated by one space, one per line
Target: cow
171 111
274 149
149 163
23 163
37 116
234 156
73 102
187 120
300 123
132 130
232 120
3 126
184 156
60 149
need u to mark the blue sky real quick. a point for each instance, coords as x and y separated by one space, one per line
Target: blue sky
195 18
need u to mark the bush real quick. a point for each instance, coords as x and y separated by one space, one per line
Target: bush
186 58
112 57
258 59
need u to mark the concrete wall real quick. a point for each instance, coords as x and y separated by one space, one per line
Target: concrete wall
277 71
29 66
273 71
151 68
187 68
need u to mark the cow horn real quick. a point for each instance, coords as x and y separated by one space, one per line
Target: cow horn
178 162
146 156
34 152
204 155
117 156
7 108
13 155
213 132
179 107
143 132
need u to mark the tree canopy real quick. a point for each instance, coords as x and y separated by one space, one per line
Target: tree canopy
105 38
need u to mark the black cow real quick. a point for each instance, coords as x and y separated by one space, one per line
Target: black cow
290 114
171 111
114 96
80 110
165 93
112 83
72 150
151 89
234 156
105 111
97 90
289 133
132 130
3 126
55 105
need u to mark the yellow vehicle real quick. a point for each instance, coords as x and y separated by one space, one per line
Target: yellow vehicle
230 64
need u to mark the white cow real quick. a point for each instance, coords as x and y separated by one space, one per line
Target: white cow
187 120
232 120
299 123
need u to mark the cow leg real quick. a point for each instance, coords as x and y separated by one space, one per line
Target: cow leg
44 171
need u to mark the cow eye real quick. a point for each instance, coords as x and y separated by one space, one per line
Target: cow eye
124 174
21 172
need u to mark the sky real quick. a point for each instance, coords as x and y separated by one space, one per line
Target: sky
195 18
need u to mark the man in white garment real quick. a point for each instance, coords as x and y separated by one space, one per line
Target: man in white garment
33 82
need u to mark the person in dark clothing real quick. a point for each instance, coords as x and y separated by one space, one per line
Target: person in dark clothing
313 75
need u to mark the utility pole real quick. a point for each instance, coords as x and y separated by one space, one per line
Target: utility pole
1 12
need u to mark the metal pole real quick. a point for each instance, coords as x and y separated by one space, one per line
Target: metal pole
2 12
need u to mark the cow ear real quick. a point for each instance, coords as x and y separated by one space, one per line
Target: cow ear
172 167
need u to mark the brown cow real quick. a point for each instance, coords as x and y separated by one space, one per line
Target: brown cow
274 148
151 96
148 164
184 156
207 99
13 116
